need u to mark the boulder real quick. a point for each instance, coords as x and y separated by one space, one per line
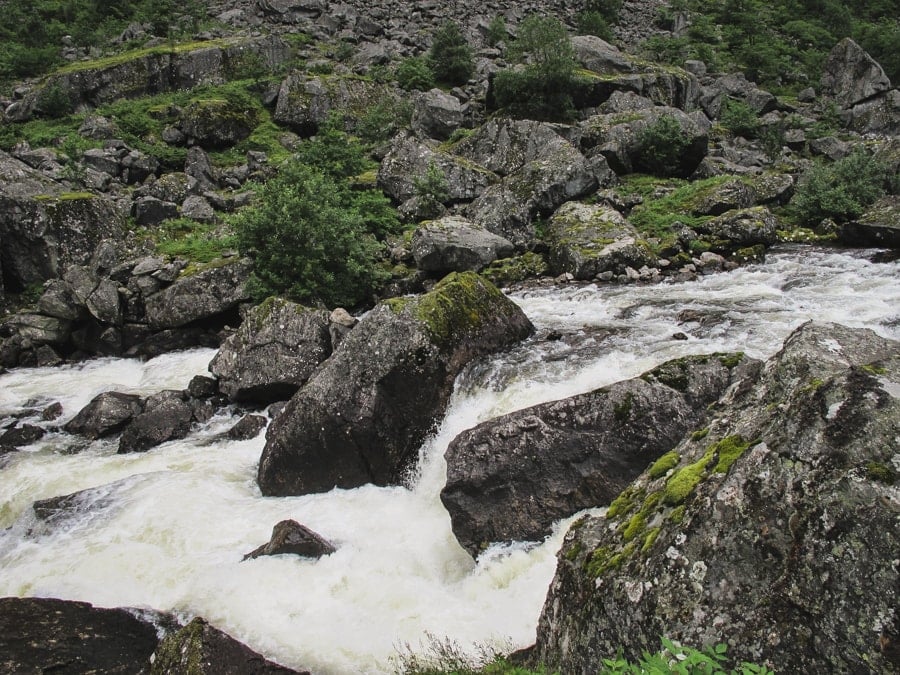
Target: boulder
436 114
21 434
40 329
201 649
453 244
106 414
290 537
305 101
511 478
733 194
599 56
199 296
878 115
505 145
153 211
166 416
410 158
851 76
501 211
742 227
664 85
586 240
273 353
774 533
41 635
216 123
879 226
364 413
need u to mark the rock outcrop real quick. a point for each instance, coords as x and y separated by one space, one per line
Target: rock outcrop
511 478
367 409
775 533
851 76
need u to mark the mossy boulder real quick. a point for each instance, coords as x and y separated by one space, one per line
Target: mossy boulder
217 123
741 228
364 413
587 240
773 531
879 226
305 101
511 478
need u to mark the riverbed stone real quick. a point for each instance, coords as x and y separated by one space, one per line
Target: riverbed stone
106 414
166 416
290 537
364 413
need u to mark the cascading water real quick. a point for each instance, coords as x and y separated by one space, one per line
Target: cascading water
167 529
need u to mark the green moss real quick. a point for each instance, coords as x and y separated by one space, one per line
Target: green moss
650 538
64 197
881 473
457 306
181 652
682 483
664 464
512 270
635 526
134 55
731 360
874 369
604 559
573 551
728 450
813 386
676 516
625 502
673 374
700 434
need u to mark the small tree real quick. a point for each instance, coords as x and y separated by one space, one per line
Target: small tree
450 57
432 189
661 147
415 73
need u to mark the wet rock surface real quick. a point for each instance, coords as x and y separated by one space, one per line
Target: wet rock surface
290 537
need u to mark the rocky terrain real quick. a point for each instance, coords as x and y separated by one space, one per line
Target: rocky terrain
746 498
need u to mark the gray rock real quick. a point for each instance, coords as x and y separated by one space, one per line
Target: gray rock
40 329
246 428
166 416
340 323
290 537
153 211
273 353
878 226
21 434
436 114
511 478
453 244
106 414
304 101
743 227
58 301
501 211
597 55
172 187
104 160
365 412
851 76
138 167
587 240
215 124
734 194
199 296
878 115
197 208
766 534
198 166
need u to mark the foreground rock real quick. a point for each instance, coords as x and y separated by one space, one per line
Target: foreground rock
291 537
511 478
365 412
273 353
777 533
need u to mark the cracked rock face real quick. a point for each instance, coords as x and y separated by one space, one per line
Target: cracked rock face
775 530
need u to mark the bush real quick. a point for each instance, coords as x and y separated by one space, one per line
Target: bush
432 189
54 101
608 9
307 242
450 57
541 89
739 119
415 73
661 146
841 191
594 23
496 32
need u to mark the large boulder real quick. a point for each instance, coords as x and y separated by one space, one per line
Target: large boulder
505 145
166 416
273 353
511 478
599 56
878 226
741 228
777 533
367 409
851 76
201 649
305 101
586 240
199 296
41 635
437 114
454 244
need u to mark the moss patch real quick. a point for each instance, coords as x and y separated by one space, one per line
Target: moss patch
881 473
664 464
457 306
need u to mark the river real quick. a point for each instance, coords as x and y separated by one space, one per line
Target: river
167 529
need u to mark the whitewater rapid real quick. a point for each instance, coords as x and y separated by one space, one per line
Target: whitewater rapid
167 529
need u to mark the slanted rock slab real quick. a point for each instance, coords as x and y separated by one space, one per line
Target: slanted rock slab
291 537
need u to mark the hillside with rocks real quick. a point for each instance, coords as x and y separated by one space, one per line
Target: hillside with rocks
332 193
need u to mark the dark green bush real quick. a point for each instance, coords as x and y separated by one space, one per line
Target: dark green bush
496 32
841 191
542 88
608 9
415 73
450 57
661 146
54 101
739 119
594 23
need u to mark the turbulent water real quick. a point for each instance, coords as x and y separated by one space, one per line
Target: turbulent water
167 529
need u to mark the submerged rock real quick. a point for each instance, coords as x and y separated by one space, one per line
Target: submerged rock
166 416
291 537
511 478
775 532
366 410
246 428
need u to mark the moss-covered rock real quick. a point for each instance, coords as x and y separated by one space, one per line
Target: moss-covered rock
364 413
775 533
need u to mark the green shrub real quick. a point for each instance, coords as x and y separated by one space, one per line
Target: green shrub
333 152
661 146
594 23
841 191
496 32
54 101
450 57
195 241
307 242
542 88
739 119
432 189
381 121
675 659
415 73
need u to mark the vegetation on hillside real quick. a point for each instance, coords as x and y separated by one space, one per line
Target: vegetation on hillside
779 43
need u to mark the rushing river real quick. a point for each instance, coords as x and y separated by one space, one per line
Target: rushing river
167 529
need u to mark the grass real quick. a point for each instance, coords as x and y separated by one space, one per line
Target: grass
200 243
